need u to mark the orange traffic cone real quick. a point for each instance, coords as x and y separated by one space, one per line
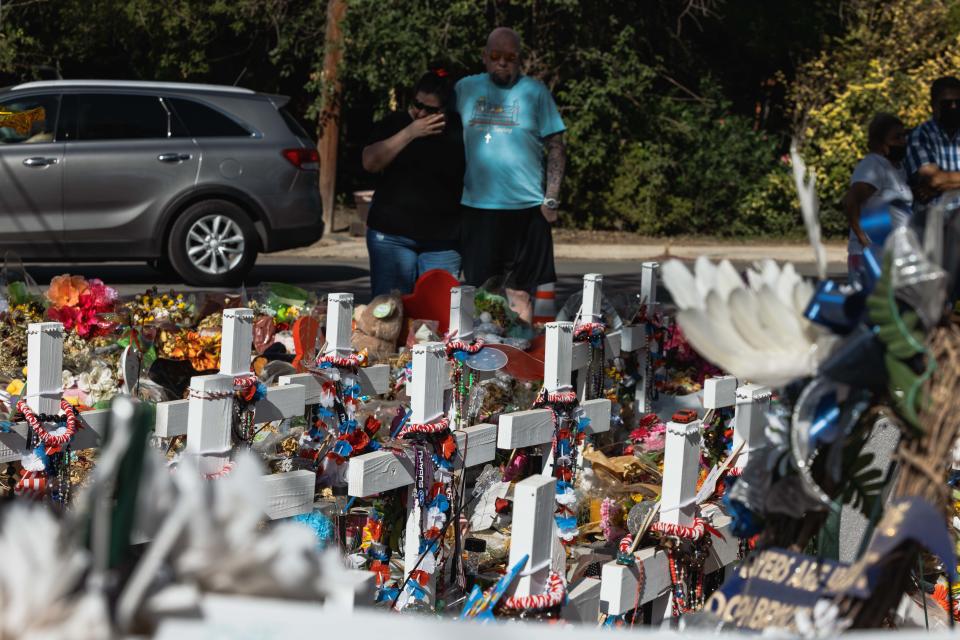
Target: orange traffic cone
545 304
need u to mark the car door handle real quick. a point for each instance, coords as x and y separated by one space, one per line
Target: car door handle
173 157
39 162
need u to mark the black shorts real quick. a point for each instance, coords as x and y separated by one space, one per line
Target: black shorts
510 248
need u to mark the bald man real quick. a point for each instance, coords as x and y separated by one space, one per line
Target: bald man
515 158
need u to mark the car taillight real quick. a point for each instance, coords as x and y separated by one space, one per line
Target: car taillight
303 159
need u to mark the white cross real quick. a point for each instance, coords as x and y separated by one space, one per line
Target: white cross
750 421
206 418
44 379
373 473
648 295
535 426
281 402
373 380
618 590
462 308
487 138
532 533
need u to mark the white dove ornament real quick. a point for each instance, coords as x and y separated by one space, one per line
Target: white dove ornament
755 330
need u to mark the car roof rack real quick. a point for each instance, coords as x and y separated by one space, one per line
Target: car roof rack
132 84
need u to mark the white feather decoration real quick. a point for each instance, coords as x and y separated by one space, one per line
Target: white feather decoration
809 206
754 331
39 574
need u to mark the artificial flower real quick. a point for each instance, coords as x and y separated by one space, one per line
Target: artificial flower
65 290
98 384
81 304
15 388
203 351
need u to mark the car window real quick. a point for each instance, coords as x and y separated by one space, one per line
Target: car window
203 122
293 124
119 117
28 119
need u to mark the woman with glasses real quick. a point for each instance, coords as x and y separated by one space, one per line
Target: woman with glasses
414 221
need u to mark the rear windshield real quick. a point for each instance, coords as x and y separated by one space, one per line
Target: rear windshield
293 124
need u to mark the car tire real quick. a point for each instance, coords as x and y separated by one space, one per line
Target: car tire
213 243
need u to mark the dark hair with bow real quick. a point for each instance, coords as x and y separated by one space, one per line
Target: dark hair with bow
436 82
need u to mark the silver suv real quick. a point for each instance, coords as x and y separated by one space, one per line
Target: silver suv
198 177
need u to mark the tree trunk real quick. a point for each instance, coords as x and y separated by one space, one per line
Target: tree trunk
330 115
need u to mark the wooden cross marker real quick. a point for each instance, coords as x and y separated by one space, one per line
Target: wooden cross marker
535 426
591 305
750 421
681 469
719 392
379 471
235 349
373 380
339 324
289 494
532 533
44 366
236 340
462 309
618 589
44 380
643 393
209 419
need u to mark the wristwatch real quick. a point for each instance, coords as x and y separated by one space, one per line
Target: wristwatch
551 203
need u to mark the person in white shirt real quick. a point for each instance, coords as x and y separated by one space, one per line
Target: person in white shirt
878 182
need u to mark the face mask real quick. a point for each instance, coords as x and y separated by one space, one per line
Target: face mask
950 118
897 152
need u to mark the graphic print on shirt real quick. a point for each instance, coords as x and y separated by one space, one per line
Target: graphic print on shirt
489 113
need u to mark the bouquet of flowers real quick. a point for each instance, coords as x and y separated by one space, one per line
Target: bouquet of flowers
81 304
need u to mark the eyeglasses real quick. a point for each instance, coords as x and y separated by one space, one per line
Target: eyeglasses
507 56
426 107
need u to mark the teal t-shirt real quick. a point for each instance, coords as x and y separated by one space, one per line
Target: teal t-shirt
503 132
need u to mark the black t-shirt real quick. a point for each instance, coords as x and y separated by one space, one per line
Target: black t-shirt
418 195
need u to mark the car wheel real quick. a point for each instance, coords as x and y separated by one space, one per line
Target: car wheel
213 243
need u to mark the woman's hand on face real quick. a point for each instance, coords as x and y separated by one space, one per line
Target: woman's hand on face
427 126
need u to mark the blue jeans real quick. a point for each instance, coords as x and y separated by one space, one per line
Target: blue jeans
396 262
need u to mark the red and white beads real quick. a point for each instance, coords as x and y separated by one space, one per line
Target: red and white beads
554 594
432 427
48 439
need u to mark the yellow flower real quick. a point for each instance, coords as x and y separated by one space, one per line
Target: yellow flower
15 388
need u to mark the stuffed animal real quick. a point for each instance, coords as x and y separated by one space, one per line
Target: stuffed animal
378 326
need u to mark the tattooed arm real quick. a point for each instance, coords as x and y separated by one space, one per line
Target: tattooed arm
556 164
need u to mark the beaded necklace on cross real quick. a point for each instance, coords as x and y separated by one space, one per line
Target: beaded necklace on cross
340 399
569 432
435 494
463 378
594 333
47 453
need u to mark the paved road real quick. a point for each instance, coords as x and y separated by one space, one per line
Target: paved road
328 275
316 274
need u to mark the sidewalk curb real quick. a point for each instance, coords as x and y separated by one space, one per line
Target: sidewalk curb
356 249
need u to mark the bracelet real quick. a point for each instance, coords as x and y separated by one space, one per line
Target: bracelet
353 360
433 427
553 595
459 345
554 397
47 438
589 329
693 533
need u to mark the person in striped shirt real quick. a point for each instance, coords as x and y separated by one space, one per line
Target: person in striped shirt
933 153
933 169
